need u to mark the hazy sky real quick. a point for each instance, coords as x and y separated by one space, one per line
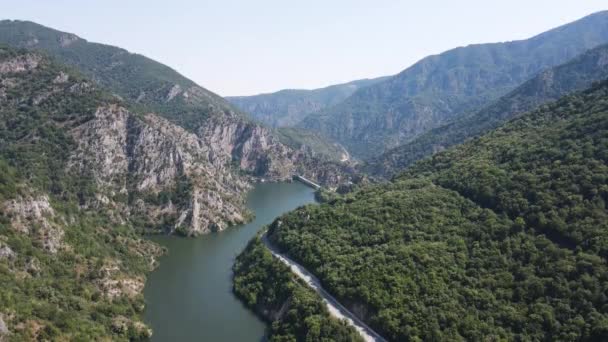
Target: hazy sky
247 47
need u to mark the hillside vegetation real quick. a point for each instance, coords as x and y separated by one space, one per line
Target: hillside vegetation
295 312
230 141
549 85
503 237
69 270
444 87
136 78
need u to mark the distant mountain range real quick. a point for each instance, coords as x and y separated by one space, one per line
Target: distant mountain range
551 84
287 107
441 88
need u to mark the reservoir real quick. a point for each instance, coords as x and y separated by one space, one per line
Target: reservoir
189 296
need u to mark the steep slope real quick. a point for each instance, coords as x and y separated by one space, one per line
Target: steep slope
133 77
549 85
287 107
231 138
441 88
72 266
317 145
503 237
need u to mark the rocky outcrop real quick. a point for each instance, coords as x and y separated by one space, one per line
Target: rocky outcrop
4 332
67 39
256 150
6 252
183 167
20 63
175 90
121 325
145 156
34 216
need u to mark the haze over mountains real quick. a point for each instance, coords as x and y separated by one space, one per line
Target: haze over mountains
444 87
288 107
438 89
551 84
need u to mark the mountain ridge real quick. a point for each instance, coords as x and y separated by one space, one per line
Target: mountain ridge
286 107
443 87
501 237
574 75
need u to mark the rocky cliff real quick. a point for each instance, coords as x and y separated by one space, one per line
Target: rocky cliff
189 141
145 158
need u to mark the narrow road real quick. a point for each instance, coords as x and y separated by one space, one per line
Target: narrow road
335 308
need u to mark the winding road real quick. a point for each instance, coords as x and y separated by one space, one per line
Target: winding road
335 308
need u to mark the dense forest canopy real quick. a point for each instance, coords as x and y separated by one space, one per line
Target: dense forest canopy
503 237
296 312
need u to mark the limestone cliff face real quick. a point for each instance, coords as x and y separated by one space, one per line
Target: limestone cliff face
184 168
141 157
138 160
256 150
250 147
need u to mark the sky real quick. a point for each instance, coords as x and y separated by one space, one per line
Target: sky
245 47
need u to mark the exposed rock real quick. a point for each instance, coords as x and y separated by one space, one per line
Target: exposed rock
148 155
31 42
81 88
175 90
6 252
20 63
32 266
121 325
61 78
259 152
141 96
130 287
33 216
4 332
67 39
114 283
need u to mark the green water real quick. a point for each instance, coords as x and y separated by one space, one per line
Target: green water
189 297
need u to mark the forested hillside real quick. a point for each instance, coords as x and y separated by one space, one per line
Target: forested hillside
503 237
136 78
577 74
70 269
294 311
443 87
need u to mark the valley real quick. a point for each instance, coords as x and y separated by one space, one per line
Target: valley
463 198
189 297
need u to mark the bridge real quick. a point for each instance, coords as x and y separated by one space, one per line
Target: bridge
307 182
